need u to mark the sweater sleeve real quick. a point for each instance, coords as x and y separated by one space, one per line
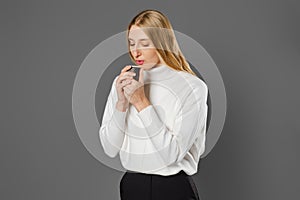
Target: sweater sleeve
111 131
190 124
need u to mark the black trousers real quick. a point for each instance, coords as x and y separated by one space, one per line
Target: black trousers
140 186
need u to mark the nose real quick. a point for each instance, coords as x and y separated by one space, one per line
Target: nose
136 52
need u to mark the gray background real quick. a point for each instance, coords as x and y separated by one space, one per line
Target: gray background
255 44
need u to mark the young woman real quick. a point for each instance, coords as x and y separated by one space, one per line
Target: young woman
157 124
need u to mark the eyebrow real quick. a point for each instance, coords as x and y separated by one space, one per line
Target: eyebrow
143 39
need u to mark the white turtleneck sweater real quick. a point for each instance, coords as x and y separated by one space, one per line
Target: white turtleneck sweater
166 136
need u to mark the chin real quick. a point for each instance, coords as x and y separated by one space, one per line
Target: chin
148 65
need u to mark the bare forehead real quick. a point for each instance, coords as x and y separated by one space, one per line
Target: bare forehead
136 33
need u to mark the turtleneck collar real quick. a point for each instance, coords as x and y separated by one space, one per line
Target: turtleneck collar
159 73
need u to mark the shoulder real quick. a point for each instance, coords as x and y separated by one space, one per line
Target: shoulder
195 83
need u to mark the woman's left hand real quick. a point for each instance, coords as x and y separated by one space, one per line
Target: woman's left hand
135 93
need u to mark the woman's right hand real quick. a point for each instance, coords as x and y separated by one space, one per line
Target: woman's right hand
123 80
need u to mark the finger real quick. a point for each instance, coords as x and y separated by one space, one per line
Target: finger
123 77
128 67
126 93
127 88
127 73
125 83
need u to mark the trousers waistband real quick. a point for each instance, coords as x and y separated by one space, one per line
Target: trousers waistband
181 172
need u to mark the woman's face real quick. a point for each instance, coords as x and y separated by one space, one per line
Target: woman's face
142 48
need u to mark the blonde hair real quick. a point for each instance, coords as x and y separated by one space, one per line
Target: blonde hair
158 28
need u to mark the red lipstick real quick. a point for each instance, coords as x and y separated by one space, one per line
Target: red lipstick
139 62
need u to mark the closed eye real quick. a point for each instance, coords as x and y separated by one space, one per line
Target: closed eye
144 45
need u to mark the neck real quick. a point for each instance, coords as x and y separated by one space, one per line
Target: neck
158 72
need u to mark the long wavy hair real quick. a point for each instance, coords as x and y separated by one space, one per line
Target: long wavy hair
158 28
